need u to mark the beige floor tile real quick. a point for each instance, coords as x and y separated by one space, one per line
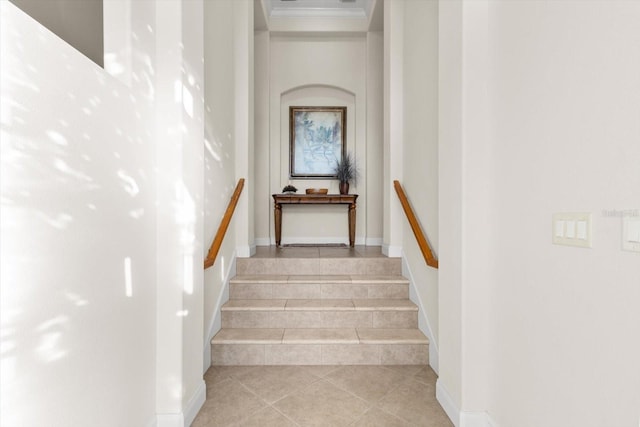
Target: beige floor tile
376 417
392 291
295 354
267 417
404 354
319 304
348 354
245 319
272 383
250 291
228 403
320 371
347 319
322 404
415 402
426 375
370 383
237 354
296 319
296 291
320 336
395 319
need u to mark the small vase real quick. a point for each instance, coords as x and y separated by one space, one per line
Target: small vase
344 188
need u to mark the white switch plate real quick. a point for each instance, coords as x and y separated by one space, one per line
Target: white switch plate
631 233
572 229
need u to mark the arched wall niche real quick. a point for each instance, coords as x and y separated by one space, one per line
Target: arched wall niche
322 224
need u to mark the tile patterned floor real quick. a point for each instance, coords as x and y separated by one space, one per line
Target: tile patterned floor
300 396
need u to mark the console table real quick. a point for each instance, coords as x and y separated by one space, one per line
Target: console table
315 199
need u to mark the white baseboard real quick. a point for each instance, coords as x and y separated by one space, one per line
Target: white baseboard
368 241
312 240
423 320
373 241
243 251
263 241
215 323
447 403
195 403
461 418
170 420
391 251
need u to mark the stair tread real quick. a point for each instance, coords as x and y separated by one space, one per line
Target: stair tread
319 305
351 336
329 278
248 336
320 336
254 305
391 336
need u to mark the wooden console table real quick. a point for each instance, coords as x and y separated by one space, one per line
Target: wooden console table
315 199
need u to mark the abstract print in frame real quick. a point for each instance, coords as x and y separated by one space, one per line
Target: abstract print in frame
316 141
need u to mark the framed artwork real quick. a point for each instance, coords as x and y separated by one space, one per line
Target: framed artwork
316 141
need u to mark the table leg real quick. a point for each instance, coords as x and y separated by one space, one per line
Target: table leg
277 218
352 224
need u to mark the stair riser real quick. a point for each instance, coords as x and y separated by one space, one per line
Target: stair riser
319 319
319 266
319 354
317 291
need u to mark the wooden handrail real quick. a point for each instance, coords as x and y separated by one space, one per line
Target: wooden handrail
415 226
224 224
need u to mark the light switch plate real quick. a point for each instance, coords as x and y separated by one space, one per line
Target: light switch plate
631 233
572 229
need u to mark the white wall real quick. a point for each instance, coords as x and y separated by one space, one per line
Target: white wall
220 179
420 150
550 95
78 219
101 224
312 70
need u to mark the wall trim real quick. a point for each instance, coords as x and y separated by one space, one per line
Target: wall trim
461 418
423 320
215 324
243 251
170 420
263 241
391 251
320 240
195 403
373 241
448 404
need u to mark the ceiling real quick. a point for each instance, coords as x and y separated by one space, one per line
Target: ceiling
323 8
318 16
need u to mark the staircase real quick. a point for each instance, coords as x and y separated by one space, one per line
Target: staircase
331 310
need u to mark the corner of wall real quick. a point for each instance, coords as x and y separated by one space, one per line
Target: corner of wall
195 403
215 323
423 320
461 418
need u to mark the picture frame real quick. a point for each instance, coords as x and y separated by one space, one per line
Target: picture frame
317 140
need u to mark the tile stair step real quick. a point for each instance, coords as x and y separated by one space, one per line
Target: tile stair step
303 265
319 287
320 319
319 305
320 336
341 313
320 347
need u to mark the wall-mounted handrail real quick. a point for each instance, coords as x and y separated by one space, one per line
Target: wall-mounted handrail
415 226
224 224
